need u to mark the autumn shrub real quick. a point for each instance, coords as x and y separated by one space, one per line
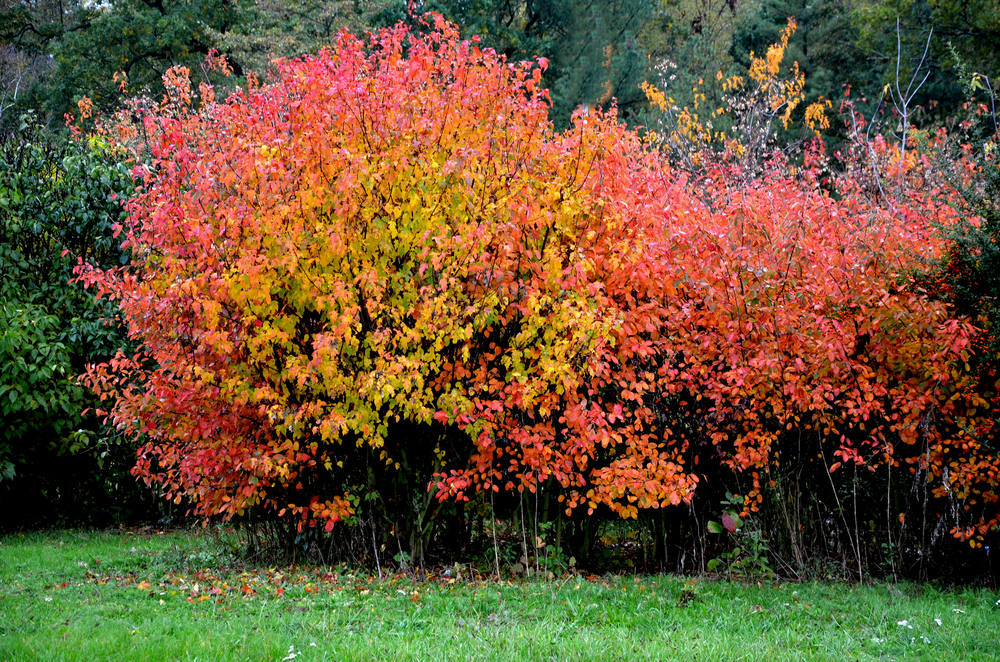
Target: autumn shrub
968 276
938 169
373 268
382 291
813 515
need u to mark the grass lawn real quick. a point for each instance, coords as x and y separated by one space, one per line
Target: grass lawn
170 596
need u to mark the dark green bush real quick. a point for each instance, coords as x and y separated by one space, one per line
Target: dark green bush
60 201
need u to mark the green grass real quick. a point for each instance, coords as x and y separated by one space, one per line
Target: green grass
126 596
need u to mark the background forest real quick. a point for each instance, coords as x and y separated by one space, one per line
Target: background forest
878 112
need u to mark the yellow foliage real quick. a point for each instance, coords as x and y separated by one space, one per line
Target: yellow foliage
764 92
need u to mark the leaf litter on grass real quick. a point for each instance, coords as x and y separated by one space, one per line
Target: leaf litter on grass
138 601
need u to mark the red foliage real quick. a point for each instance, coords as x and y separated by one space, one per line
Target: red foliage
392 231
